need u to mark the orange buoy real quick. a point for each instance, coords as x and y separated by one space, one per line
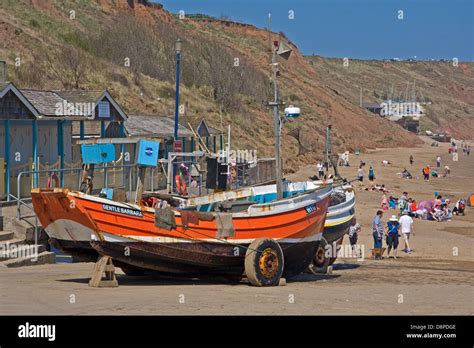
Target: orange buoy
180 185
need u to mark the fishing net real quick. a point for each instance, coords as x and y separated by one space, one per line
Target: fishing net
298 135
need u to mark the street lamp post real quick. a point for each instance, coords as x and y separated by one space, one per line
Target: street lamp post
176 107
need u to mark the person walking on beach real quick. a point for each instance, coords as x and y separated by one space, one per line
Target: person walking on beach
406 227
438 161
320 169
360 175
426 173
377 229
371 174
392 235
411 160
468 150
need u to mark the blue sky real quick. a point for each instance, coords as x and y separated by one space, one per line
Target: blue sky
439 29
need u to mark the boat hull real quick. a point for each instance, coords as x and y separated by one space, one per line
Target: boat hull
79 250
73 237
336 232
198 259
136 241
339 218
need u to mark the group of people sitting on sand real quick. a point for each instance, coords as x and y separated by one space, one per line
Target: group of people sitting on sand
436 210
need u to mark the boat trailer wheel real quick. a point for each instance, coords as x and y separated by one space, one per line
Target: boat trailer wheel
320 256
268 263
264 262
320 261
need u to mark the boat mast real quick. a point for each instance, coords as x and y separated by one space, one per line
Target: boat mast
276 114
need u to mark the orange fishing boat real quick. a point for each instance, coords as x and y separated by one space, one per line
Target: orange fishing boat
265 241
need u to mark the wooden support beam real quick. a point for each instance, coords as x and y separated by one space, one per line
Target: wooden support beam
103 266
201 143
140 184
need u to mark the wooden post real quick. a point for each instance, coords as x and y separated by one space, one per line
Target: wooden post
7 158
1 216
140 183
183 140
102 129
35 152
2 177
103 265
192 148
81 130
61 149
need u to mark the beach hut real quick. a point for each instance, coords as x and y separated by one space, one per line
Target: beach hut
39 129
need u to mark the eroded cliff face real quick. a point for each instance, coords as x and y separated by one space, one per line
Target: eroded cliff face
325 92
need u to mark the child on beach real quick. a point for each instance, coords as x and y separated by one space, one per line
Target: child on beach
354 231
392 235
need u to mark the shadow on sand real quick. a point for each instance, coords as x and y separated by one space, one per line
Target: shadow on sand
151 280
154 280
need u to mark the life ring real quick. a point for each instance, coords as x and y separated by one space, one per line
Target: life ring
55 179
180 185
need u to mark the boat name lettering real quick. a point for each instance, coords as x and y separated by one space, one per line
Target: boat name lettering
310 208
122 210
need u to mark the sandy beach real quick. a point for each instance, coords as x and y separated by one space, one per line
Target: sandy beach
437 278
